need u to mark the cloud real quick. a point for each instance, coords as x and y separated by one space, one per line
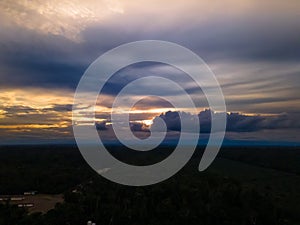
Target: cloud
135 126
35 114
172 120
138 126
61 107
236 122
252 47
57 17
101 125
250 31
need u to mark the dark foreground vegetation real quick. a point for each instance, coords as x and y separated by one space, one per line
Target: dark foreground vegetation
243 186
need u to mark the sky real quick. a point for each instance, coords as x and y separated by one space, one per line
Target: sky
252 47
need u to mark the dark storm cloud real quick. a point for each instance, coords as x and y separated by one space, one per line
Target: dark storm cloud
43 69
22 115
260 100
12 110
144 69
258 36
61 107
101 125
246 40
236 122
172 120
152 102
136 126
29 58
15 109
244 123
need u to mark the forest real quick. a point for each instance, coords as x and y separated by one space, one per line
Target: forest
245 185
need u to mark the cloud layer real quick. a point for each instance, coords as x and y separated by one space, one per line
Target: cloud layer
46 45
236 122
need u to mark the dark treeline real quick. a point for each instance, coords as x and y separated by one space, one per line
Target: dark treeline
189 197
